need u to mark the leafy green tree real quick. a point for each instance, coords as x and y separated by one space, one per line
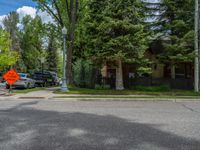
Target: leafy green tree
81 29
65 13
10 23
117 33
8 57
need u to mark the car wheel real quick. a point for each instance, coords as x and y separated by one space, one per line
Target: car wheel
7 86
33 85
28 86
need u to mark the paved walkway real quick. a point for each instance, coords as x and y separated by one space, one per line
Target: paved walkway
42 94
48 94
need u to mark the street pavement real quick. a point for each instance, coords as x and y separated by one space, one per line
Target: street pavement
42 124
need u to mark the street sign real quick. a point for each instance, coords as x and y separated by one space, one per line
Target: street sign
11 76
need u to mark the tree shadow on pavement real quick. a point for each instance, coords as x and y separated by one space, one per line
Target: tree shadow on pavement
25 128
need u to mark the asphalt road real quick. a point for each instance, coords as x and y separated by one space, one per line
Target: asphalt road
85 125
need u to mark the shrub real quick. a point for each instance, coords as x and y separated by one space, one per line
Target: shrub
84 73
102 87
161 88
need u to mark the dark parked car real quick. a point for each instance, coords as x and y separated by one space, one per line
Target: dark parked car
45 78
56 80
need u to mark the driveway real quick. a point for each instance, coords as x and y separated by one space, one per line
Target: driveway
85 125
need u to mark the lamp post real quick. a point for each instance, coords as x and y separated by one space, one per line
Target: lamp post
64 79
196 45
42 59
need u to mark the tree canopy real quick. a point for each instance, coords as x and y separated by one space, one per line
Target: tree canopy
116 31
8 57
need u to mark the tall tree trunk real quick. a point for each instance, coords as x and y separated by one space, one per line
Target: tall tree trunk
73 18
171 19
119 76
69 64
173 71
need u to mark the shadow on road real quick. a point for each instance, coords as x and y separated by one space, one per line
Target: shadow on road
24 128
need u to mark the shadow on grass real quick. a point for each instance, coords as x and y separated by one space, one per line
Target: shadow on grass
25 128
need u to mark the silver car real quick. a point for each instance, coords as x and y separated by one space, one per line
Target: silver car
24 82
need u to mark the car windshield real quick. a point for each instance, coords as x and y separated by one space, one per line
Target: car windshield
42 75
22 75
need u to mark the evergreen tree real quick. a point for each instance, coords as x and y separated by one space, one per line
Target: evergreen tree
117 33
152 13
52 49
32 42
175 25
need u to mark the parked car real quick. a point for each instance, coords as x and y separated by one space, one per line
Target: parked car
24 82
46 78
1 80
2 83
56 80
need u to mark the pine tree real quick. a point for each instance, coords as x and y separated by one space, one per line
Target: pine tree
175 25
117 33
32 42
52 53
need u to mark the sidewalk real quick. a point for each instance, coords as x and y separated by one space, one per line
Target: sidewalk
49 95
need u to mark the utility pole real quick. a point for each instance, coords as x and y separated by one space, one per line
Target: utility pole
196 65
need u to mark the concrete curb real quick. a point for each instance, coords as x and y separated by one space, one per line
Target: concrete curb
125 99
124 96
49 95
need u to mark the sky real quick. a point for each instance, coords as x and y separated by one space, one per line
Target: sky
26 7
7 6
11 5
22 7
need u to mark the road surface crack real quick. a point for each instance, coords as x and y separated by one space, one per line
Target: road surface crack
189 108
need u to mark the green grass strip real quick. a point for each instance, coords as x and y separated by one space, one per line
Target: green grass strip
128 92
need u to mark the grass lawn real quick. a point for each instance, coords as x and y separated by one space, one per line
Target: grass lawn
169 93
24 91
